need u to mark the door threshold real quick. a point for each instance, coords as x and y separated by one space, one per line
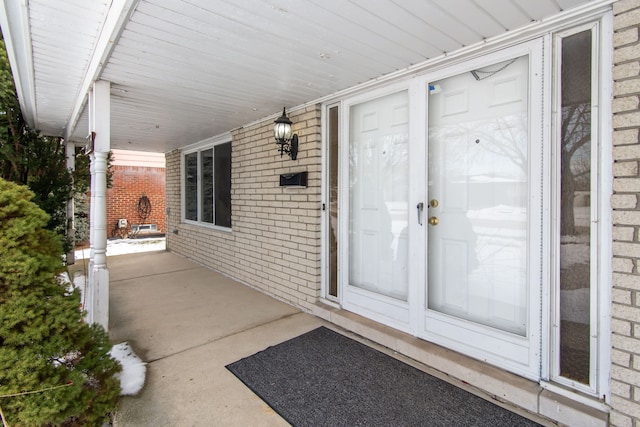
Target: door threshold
515 393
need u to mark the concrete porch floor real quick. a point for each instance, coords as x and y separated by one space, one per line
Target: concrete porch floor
188 322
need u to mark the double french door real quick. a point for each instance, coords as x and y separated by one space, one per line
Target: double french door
442 216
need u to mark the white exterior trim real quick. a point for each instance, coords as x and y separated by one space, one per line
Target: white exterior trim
205 144
606 191
14 20
119 14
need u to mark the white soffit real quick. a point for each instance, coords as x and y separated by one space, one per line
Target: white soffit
184 70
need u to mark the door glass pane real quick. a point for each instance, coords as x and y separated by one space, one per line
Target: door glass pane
575 207
223 184
333 201
378 173
191 186
206 162
478 188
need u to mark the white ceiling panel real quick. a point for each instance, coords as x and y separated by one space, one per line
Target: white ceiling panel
469 14
508 14
63 38
568 4
443 20
185 70
538 9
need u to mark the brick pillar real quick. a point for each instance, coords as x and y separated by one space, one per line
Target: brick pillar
625 356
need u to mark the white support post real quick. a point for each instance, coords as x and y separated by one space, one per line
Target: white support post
71 226
98 283
90 285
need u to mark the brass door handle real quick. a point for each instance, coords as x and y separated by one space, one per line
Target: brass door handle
434 220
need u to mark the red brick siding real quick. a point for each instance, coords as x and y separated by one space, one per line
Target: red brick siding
130 183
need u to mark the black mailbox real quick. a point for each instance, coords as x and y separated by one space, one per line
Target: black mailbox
298 179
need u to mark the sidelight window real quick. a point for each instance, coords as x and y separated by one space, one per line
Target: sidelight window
577 213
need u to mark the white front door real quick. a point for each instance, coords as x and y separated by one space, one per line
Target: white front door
442 196
483 289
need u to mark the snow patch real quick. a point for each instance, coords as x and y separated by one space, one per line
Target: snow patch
133 369
572 305
574 253
127 246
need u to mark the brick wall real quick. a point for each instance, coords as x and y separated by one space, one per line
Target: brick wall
275 242
625 370
130 183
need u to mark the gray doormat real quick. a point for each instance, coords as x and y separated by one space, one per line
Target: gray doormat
323 378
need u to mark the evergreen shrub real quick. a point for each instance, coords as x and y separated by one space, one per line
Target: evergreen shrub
55 370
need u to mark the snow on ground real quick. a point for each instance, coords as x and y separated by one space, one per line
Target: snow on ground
574 252
133 369
127 246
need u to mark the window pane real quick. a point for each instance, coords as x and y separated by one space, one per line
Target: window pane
575 208
378 170
223 184
191 186
478 190
333 201
206 162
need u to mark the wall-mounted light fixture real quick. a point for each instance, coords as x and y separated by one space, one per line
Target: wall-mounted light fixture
285 138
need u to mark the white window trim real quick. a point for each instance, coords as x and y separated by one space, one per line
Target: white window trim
602 235
325 225
198 147
605 240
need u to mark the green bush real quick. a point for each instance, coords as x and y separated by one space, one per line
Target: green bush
55 370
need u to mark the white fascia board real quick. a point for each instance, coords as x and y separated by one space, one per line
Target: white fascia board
14 20
119 14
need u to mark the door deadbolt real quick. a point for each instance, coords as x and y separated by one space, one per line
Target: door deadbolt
434 220
434 203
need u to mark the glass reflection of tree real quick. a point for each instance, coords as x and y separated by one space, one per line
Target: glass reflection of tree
575 160
395 158
506 138
575 169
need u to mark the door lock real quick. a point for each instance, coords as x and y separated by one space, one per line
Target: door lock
434 220
434 203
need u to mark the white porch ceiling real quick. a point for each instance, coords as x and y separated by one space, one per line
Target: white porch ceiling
185 70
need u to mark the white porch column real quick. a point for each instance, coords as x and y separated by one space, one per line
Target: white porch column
71 227
89 286
100 127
